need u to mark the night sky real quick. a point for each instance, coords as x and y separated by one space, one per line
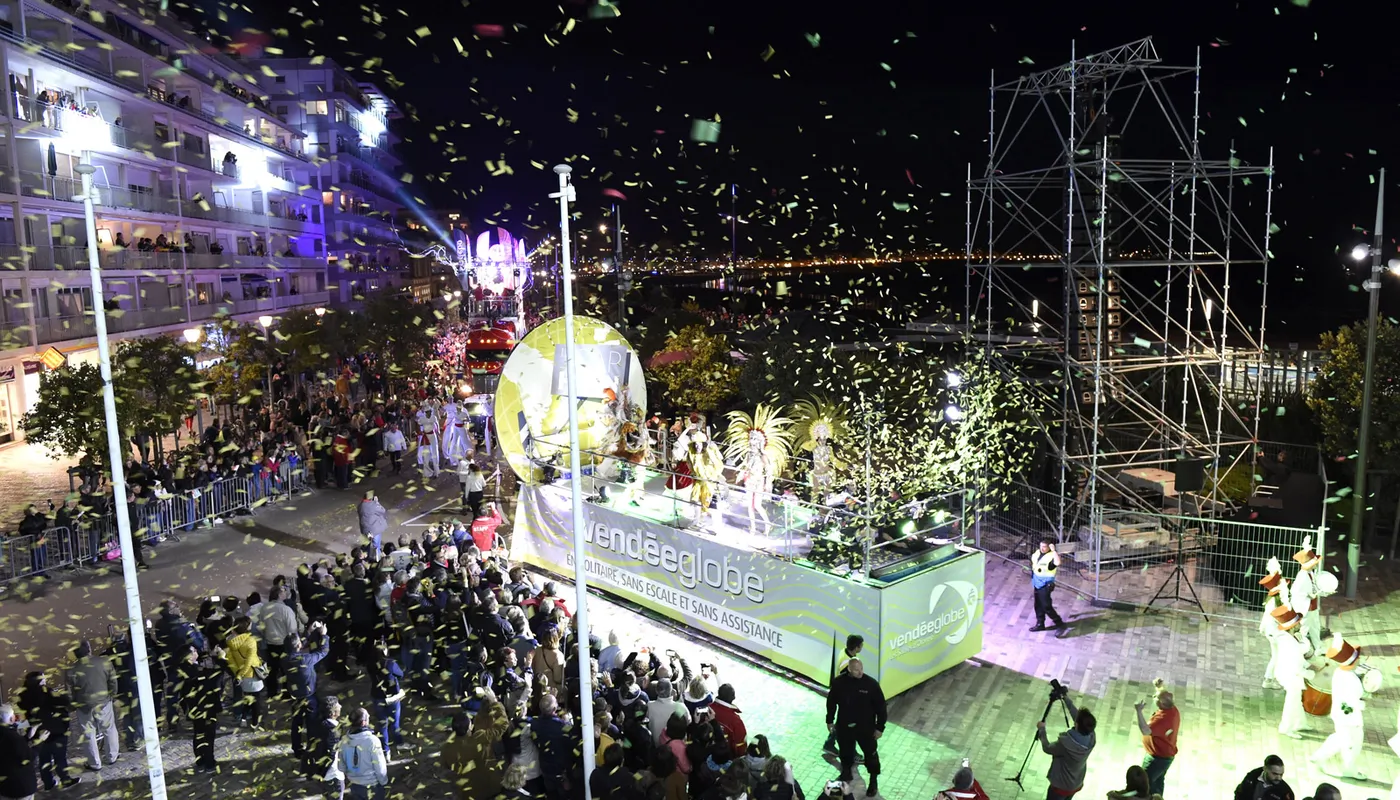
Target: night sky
869 95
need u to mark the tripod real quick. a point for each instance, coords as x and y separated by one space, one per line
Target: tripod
1178 574
1054 698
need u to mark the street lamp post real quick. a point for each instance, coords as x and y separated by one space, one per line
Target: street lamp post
1358 495
623 279
192 335
565 195
135 625
266 322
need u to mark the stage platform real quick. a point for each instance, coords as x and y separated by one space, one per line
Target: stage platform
753 587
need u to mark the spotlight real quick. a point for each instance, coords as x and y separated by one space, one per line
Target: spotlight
952 413
954 379
1361 252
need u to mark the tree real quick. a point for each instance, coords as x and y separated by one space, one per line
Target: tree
69 418
701 375
159 379
401 332
1335 395
247 356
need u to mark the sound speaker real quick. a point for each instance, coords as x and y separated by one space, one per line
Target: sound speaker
1190 474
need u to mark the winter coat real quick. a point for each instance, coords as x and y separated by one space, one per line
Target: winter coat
374 521
660 710
856 703
1069 757
242 655
92 682
362 759
474 759
729 718
18 777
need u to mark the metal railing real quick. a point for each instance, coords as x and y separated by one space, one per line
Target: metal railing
92 540
66 119
1130 556
128 258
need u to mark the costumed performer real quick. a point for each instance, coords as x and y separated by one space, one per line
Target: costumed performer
1338 753
428 460
759 445
1305 593
820 423
1277 587
1291 671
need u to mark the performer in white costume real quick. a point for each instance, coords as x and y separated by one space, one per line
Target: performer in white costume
1277 587
427 440
454 435
1394 743
1291 671
1304 595
759 445
1337 755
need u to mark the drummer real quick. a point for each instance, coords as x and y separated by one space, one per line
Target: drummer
1290 670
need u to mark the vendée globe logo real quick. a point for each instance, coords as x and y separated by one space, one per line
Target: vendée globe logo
952 608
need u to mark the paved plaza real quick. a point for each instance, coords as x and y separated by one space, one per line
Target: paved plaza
984 710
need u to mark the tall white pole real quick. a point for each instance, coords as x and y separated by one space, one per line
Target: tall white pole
135 616
565 194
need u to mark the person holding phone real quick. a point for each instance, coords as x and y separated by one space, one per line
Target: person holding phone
1044 564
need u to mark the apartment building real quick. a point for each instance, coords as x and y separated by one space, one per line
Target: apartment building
348 127
208 199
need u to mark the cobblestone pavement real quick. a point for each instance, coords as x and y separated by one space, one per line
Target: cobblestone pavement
29 474
984 709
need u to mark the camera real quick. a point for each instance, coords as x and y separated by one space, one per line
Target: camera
1058 691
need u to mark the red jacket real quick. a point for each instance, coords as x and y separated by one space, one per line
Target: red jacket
975 793
484 532
729 719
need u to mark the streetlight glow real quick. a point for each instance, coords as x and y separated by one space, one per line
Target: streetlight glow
191 335
320 311
954 379
265 321
1360 252
952 413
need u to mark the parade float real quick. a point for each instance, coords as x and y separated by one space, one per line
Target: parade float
701 522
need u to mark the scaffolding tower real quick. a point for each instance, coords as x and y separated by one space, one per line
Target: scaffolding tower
1111 264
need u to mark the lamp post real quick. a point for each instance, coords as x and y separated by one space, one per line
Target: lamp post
624 280
192 336
266 322
565 195
135 624
1358 494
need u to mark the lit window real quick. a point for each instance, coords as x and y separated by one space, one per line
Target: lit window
316 107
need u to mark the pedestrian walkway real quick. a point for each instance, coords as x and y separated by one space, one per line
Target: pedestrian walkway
984 710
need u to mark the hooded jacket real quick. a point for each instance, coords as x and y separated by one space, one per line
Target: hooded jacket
373 518
1069 759
362 759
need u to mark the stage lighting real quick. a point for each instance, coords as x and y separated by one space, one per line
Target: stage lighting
907 527
952 413
954 379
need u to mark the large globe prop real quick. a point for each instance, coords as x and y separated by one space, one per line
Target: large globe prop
532 413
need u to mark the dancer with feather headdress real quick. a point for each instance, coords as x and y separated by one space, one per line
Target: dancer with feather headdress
761 444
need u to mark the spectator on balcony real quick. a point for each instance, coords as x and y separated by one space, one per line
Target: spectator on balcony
162 243
216 249
120 242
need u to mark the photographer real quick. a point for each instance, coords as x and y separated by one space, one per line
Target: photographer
1069 754
1044 565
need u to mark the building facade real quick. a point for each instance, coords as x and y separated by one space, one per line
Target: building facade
348 133
210 200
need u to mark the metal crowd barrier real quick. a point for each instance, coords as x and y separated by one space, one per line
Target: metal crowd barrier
92 539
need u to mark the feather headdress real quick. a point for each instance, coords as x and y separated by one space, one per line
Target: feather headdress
772 429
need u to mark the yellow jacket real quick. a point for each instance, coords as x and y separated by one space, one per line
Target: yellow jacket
242 655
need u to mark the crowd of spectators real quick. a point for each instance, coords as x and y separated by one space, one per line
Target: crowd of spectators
441 620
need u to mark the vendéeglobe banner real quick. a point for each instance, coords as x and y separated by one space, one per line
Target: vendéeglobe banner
794 616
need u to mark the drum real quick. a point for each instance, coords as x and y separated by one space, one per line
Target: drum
1316 702
1370 678
1326 584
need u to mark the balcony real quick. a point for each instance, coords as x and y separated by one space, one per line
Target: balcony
114 258
52 330
132 35
57 120
35 184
